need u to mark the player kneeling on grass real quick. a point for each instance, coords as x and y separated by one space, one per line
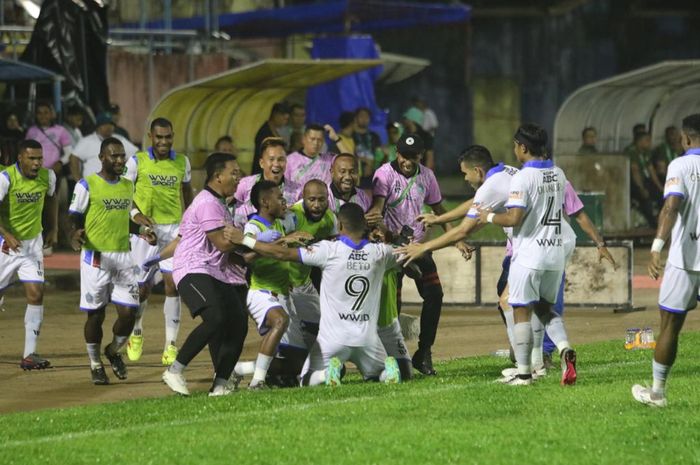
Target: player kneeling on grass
24 187
352 271
100 212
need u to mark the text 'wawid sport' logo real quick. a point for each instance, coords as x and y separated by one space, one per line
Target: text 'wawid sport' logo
162 180
116 204
28 197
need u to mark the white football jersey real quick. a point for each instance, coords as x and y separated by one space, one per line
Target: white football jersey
493 193
350 287
682 180
538 242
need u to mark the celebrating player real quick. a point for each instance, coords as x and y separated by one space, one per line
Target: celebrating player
100 214
539 255
309 163
350 290
679 219
24 188
401 188
161 178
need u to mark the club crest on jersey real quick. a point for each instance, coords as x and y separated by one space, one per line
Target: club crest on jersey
116 204
162 180
28 197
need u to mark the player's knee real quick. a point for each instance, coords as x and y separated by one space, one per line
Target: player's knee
96 317
35 295
278 320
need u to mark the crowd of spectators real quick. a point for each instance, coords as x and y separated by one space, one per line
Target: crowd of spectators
648 166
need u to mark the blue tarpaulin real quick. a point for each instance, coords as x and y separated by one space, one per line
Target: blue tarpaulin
327 17
325 102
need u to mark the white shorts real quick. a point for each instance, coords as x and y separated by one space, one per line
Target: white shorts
307 303
28 262
141 250
260 302
107 277
527 286
679 289
369 358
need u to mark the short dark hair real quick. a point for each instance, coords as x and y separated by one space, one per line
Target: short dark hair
109 141
691 126
346 119
28 144
533 137
279 108
477 155
359 110
314 127
586 129
639 127
352 217
43 103
216 162
161 123
260 189
221 139
317 182
294 106
272 142
346 155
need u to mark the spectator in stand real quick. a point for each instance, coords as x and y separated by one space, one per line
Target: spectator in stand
344 142
273 127
12 133
430 120
54 139
116 116
646 189
224 144
387 152
413 123
12 129
74 120
670 148
85 160
366 143
589 138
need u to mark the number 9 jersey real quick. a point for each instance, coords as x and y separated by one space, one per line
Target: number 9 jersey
350 287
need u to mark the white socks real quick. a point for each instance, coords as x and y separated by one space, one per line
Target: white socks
118 343
93 350
244 368
537 360
557 333
138 325
317 377
32 325
171 311
660 374
522 333
261 366
510 324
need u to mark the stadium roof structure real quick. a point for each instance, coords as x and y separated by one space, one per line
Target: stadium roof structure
237 102
18 71
658 96
335 16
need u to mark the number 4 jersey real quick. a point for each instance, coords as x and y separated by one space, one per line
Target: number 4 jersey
350 287
540 242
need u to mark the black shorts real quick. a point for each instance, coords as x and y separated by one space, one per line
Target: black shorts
199 290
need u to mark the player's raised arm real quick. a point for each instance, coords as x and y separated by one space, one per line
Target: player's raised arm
457 213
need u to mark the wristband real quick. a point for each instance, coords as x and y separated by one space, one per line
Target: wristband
489 217
657 245
249 242
134 212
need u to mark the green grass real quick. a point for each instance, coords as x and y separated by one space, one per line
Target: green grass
458 417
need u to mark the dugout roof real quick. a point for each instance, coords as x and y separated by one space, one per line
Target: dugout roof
238 101
660 95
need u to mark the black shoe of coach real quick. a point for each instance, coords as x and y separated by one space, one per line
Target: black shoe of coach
423 362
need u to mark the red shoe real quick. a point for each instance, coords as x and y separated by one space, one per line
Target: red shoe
34 362
568 367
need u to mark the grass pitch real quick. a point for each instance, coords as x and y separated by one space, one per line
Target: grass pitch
461 416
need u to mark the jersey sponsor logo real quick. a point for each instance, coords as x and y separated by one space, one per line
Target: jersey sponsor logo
358 261
694 236
549 242
676 181
515 195
162 180
549 177
354 317
510 170
28 197
116 204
